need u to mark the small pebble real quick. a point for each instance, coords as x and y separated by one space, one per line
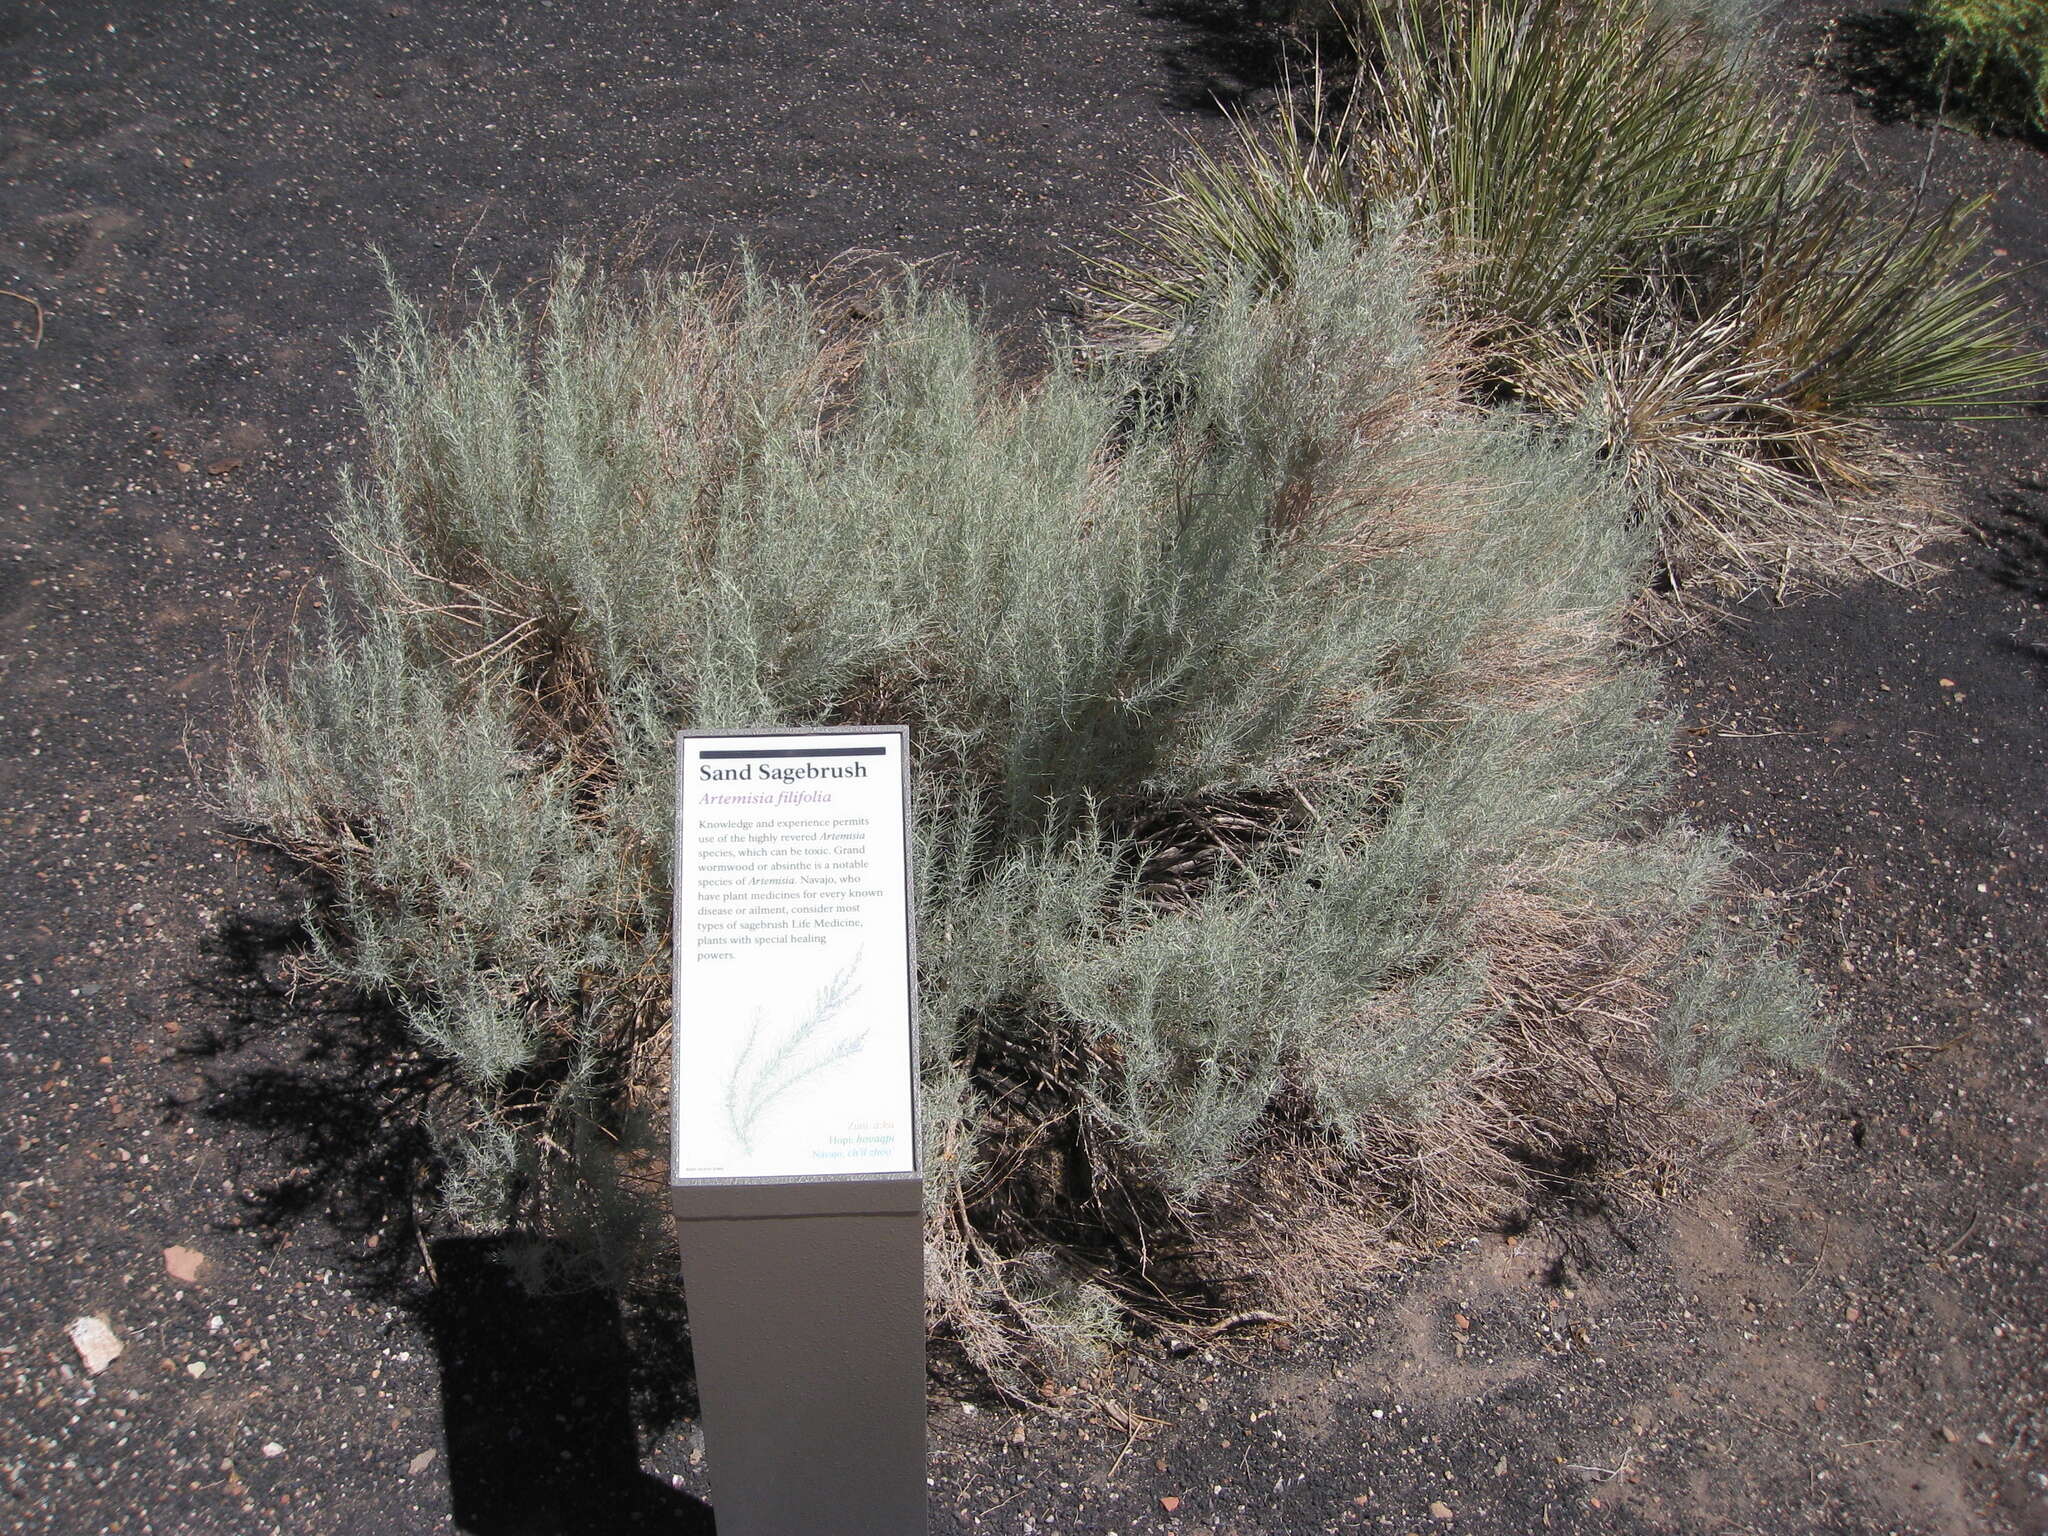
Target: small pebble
95 1342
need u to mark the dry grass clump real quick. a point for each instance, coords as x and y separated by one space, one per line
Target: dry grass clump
1283 798
1646 248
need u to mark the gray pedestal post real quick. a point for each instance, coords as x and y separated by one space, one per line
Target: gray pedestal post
806 1304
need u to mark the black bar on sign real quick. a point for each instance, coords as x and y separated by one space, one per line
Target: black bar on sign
798 752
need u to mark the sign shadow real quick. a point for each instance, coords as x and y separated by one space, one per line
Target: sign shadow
537 1407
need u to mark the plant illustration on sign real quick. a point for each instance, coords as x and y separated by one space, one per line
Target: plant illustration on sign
762 1074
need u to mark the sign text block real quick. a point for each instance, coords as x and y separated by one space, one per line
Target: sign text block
795 1054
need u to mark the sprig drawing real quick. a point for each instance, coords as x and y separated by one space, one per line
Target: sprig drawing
756 1082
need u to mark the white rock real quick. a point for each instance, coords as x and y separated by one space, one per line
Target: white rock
95 1342
272 1450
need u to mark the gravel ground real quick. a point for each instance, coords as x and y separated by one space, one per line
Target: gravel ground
1850 1339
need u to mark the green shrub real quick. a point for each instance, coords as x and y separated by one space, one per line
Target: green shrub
1282 798
1993 54
1639 245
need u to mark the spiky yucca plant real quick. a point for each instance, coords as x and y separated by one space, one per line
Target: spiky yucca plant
1639 243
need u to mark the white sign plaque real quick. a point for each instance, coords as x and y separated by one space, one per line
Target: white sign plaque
795 1045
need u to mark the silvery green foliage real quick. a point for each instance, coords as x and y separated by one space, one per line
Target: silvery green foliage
1122 589
1735 996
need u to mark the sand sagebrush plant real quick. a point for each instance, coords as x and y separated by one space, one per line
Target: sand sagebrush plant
1285 811
1642 243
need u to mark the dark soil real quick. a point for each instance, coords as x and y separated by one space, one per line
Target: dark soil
1851 1338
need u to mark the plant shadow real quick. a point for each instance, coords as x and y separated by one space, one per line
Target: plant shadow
2015 541
1227 52
329 1093
545 1397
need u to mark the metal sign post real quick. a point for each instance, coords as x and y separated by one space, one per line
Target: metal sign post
794 1164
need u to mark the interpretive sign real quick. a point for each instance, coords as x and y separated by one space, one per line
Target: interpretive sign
794 1039
794 1162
